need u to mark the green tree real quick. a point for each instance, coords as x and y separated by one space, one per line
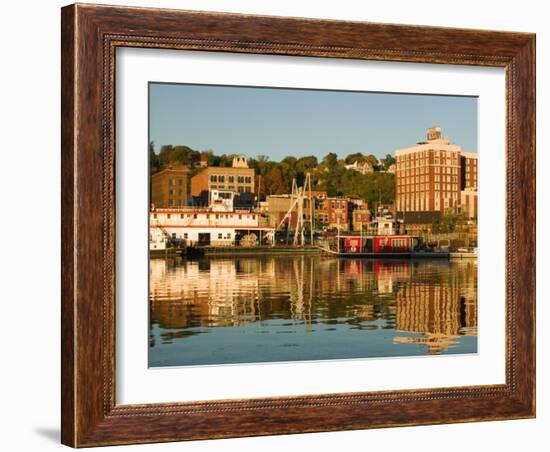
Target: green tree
185 155
355 157
307 163
165 155
154 164
450 221
373 187
372 160
330 161
208 154
388 161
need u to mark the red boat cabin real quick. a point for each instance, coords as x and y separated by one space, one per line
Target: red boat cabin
383 244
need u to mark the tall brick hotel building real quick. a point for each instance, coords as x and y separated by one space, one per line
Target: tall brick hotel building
434 176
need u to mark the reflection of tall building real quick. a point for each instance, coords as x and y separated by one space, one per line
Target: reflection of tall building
427 308
441 311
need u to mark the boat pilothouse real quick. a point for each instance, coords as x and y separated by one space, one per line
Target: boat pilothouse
218 224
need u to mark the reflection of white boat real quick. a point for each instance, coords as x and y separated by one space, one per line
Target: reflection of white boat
464 253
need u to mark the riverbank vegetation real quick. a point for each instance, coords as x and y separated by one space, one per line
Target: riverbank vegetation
272 177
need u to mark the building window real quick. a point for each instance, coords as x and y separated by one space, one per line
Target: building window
185 235
213 178
231 179
181 216
180 182
221 178
219 236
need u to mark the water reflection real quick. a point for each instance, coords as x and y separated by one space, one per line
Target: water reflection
281 308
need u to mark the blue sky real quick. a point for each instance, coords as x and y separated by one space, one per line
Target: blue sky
281 122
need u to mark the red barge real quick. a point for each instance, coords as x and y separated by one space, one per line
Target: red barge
384 241
373 246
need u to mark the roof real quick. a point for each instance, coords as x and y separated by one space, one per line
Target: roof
419 217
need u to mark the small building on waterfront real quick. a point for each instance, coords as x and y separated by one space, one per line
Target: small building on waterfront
419 223
361 217
468 202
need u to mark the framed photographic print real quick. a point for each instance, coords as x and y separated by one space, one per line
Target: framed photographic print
281 225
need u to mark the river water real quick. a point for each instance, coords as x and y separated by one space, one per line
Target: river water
289 308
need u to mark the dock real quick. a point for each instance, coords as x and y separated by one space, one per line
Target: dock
261 251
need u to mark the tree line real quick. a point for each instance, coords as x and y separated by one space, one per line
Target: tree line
329 174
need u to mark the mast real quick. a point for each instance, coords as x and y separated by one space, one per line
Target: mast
338 230
296 202
308 184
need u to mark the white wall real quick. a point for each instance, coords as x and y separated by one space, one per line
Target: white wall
29 107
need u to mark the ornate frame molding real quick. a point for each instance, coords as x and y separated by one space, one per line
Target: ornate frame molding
90 37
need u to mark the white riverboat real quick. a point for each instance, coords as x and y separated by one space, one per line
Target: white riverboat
218 225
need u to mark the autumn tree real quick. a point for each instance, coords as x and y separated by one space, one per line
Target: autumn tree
275 183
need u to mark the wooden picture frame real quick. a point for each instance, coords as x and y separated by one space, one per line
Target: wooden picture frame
90 36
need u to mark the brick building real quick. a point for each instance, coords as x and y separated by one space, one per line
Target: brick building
338 212
360 215
277 206
431 175
238 178
169 187
468 170
331 213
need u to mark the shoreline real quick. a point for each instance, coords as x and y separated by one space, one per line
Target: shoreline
300 251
